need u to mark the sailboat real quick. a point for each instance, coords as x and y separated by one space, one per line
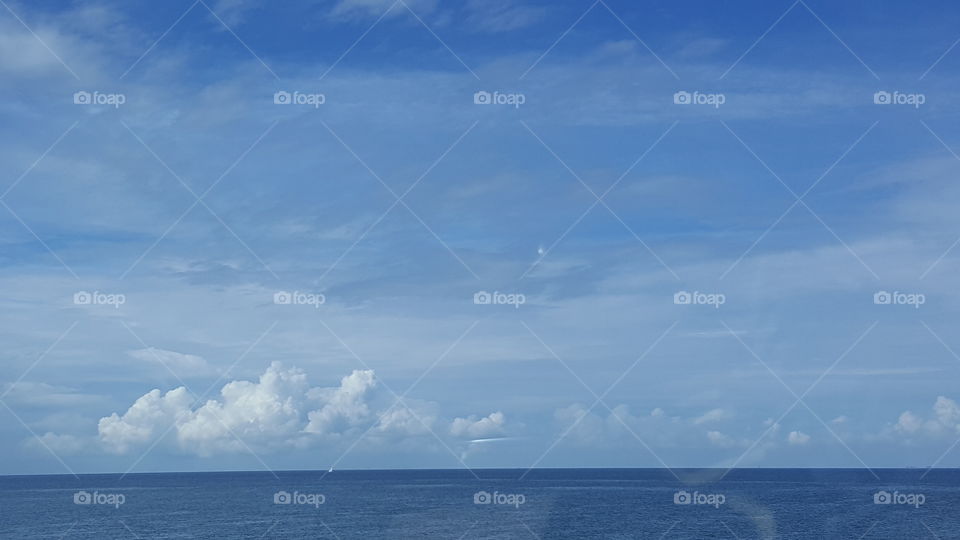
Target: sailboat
330 470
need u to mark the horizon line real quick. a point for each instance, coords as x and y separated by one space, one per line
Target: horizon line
452 469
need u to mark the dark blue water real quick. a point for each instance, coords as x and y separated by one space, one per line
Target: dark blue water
564 503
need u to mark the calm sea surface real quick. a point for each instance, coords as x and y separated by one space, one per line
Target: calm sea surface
556 503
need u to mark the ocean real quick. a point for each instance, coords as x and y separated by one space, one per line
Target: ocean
546 503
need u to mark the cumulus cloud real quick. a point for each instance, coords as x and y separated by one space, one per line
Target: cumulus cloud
268 410
280 409
345 406
470 427
909 423
147 415
798 438
416 418
945 420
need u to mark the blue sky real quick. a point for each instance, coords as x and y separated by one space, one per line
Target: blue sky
198 199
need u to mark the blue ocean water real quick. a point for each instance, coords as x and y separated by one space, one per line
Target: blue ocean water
546 503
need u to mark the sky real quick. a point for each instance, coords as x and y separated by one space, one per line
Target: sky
500 233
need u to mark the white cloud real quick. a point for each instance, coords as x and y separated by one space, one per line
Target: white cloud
656 428
582 425
58 44
23 54
269 410
61 444
798 438
502 15
909 422
149 413
945 420
183 365
720 439
408 420
375 8
278 410
713 415
947 412
233 12
470 427
45 395
345 406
